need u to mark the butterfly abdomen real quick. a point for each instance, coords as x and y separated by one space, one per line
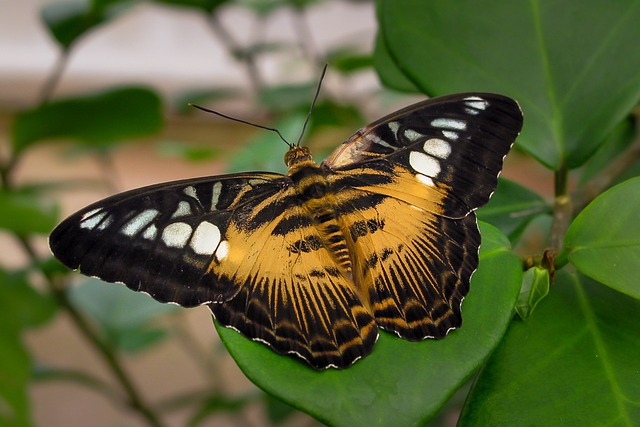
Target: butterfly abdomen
317 198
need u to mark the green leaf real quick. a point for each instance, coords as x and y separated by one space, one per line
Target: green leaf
14 402
22 307
574 362
401 383
535 286
604 240
348 60
126 318
23 212
207 6
186 151
68 21
97 119
572 66
512 208
287 97
615 145
387 69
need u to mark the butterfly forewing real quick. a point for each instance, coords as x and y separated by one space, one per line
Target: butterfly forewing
162 239
382 233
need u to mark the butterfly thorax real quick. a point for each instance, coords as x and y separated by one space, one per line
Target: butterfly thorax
316 196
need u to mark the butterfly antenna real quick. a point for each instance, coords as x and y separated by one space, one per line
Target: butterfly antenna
235 119
313 103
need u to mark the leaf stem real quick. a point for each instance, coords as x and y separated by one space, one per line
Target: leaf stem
562 208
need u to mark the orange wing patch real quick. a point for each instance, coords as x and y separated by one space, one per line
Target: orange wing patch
292 295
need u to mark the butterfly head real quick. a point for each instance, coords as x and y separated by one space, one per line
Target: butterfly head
297 155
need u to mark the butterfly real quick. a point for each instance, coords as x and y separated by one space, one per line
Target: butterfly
381 235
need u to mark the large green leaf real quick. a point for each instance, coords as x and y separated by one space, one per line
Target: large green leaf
574 362
604 240
401 383
572 66
101 118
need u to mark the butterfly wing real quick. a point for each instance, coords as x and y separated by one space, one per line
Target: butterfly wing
407 186
238 242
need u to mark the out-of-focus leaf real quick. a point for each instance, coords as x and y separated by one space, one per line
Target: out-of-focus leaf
69 20
330 113
512 208
125 317
24 212
97 119
348 60
277 410
604 239
287 97
208 6
266 151
216 404
22 307
186 151
535 286
200 97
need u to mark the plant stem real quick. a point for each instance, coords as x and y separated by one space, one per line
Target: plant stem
562 209
135 400
54 78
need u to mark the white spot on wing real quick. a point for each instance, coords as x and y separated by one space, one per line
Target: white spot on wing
107 222
176 235
223 250
215 194
183 209
191 192
92 218
412 135
476 102
150 233
425 179
205 239
394 126
437 148
138 222
450 134
377 140
424 164
453 124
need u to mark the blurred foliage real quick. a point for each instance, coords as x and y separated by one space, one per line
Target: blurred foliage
573 69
